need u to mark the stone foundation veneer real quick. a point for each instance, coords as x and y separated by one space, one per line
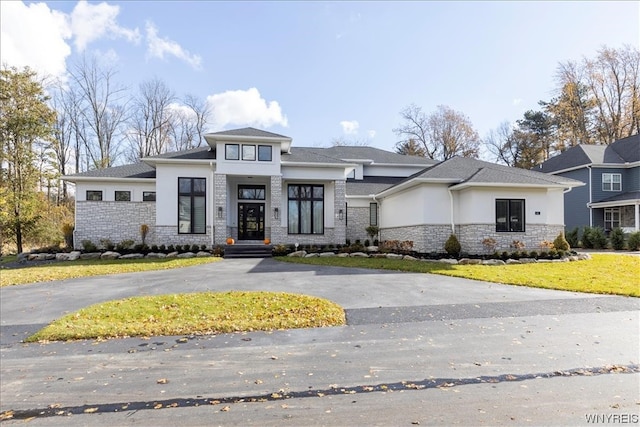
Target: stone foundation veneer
358 221
116 221
431 238
168 235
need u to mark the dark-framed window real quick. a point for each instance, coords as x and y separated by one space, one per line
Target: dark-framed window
305 209
248 152
94 195
192 204
373 214
122 196
251 192
232 152
148 196
510 215
611 182
264 153
611 218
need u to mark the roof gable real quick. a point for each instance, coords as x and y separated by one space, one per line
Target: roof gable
249 131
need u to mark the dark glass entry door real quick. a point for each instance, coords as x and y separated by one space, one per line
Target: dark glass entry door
250 221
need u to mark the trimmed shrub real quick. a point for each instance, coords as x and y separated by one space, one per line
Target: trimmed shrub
634 241
171 248
154 248
162 248
617 239
587 242
203 247
107 244
195 248
452 245
598 238
572 237
125 245
89 246
367 243
560 243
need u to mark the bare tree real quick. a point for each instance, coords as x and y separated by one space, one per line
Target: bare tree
341 141
101 112
410 148
201 113
443 134
64 103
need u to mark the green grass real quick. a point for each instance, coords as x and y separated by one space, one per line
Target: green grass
197 313
85 268
603 274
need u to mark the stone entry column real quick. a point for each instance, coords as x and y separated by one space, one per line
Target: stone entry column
340 228
278 231
220 216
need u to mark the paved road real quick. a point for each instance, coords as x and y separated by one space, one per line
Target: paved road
418 349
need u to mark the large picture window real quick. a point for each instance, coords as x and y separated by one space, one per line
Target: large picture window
306 209
192 205
510 215
611 182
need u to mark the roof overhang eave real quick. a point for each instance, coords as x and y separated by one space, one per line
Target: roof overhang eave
74 179
412 183
464 185
613 204
155 161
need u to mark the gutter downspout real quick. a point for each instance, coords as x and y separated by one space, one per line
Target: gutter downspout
590 199
213 198
453 225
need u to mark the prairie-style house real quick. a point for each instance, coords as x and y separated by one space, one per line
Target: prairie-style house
251 185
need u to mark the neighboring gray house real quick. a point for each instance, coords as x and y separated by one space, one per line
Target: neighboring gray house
252 185
611 196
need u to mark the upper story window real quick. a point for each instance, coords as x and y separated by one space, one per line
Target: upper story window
264 153
248 152
510 215
232 152
94 196
611 182
148 196
122 196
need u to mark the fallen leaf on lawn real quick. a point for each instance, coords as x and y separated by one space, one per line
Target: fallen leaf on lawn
55 405
90 410
6 415
510 377
225 409
157 406
214 402
276 396
162 381
258 381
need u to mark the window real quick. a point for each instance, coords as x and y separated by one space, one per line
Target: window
611 182
232 152
611 218
94 196
510 215
123 196
306 209
264 153
251 192
148 196
373 214
192 205
248 152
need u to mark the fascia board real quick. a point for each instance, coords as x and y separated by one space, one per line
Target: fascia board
464 185
105 179
413 183
614 204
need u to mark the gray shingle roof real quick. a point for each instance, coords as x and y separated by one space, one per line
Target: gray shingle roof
630 195
249 131
371 185
619 152
375 154
200 153
135 170
308 155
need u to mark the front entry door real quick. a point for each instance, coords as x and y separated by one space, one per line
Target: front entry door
250 221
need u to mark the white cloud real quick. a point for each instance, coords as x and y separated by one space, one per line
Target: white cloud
371 133
350 127
516 101
90 22
157 47
245 108
34 36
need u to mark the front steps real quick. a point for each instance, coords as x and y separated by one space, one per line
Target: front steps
243 250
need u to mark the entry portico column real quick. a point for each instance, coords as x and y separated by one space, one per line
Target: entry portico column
220 209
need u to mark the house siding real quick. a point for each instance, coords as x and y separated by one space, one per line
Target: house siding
576 212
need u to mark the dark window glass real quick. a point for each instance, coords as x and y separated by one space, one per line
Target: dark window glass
264 153
248 152
232 152
306 209
94 196
373 214
251 192
148 196
510 215
123 196
192 205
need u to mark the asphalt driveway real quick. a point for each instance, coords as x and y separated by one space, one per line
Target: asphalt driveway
413 334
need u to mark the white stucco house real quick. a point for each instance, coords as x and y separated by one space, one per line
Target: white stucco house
251 185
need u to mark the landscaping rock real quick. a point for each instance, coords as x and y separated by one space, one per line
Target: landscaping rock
110 255
49 257
358 255
544 261
528 260
61 256
342 255
172 255
409 258
90 255
448 261
187 255
327 254
32 257
371 249
298 254
313 255
583 257
378 255
203 254
74 255
561 260
132 256
23 256
155 255
493 262
470 261
393 256
513 261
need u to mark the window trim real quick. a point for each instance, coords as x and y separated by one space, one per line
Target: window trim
509 223
97 192
611 181
115 195
227 151
270 159
145 196
193 194
312 199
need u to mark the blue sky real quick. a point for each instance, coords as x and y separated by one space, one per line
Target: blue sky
317 71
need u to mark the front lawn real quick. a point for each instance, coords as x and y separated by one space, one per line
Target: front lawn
603 274
197 313
84 268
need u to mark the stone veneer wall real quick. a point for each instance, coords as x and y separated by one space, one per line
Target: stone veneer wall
340 229
277 233
168 235
221 231
357 222
431 238
116 221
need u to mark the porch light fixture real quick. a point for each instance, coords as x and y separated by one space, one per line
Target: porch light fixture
276 213
220 212
340 214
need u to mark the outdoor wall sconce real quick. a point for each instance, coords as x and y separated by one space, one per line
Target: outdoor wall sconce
220 212
276 213
340 214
